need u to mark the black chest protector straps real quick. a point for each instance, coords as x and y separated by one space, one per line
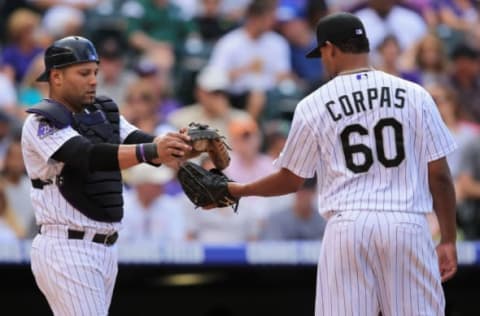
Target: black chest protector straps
97 194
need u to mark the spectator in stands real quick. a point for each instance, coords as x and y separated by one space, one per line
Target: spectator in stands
61 20
276 132
147 102
6 9
301 222
16 188
465 79
156 25
468 213
141 108
8 95
156 72
248 163
294 26
429 59
150 213
460 19
313 10
255 57
7 124
22 46
425 7
210 21
31 91
212 107
10 230
388 17
463 131
388 59
113 76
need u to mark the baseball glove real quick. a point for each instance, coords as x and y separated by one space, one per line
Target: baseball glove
206 188
207 139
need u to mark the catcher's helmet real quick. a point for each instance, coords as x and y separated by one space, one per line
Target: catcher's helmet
68 51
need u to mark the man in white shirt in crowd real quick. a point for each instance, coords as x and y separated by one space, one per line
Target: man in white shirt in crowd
150 214
386 17
213 107
255 57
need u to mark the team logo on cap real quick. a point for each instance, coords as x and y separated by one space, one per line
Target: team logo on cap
359 31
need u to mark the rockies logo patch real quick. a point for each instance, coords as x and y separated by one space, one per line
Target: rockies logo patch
45 129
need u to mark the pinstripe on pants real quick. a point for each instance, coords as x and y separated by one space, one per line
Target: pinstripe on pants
76 276
372 261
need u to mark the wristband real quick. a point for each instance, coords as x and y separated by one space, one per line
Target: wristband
146 152
138 153
149 151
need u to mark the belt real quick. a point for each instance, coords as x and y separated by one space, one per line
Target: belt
39 183
104 239
107 240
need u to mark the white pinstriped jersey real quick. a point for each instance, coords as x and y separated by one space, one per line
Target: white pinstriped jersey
39 142
370 136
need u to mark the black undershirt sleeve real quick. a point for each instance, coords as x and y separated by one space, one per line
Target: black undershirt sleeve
80 153
138 137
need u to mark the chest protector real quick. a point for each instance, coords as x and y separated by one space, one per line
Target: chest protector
98 194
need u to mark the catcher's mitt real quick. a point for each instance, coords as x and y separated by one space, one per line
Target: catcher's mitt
206 188
207 139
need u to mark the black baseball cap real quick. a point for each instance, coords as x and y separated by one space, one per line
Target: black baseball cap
68 51
338 28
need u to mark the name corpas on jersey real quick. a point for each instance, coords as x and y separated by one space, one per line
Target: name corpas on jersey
361 101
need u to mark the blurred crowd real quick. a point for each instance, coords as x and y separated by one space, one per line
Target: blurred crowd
239 66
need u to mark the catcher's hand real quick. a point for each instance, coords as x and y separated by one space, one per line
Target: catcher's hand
206 188
206 139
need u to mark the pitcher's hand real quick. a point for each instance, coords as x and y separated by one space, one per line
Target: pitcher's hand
447 260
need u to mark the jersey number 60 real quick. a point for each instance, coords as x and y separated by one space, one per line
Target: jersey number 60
350 149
